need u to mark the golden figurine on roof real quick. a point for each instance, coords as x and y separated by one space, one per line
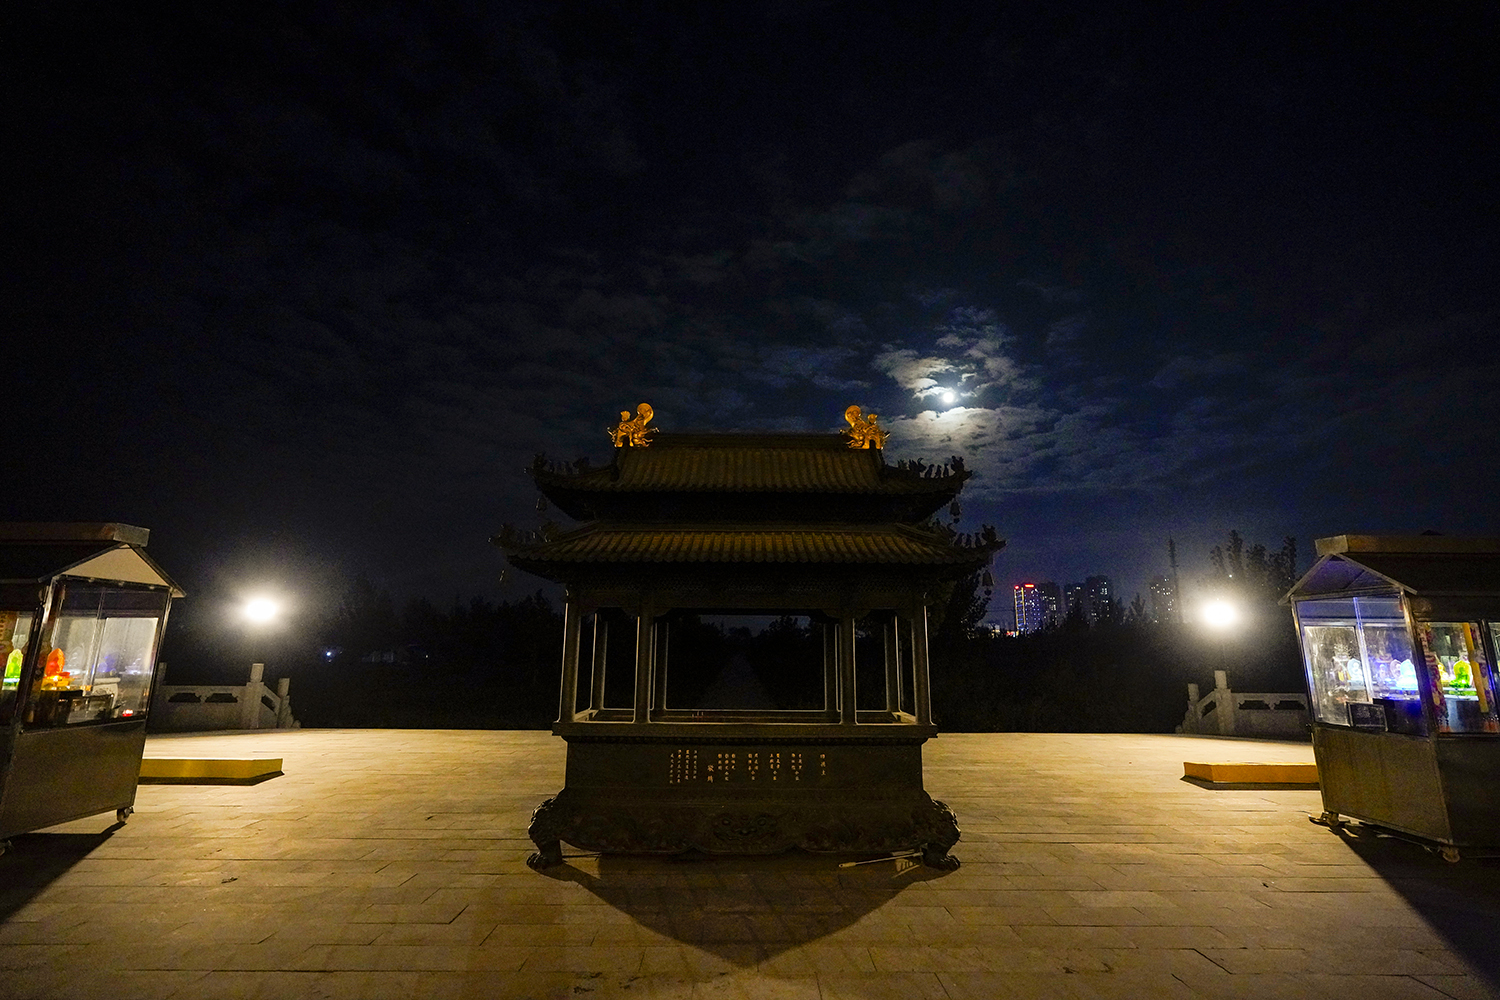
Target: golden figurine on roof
864 432
633 431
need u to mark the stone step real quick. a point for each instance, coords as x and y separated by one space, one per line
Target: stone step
1251 773
208 770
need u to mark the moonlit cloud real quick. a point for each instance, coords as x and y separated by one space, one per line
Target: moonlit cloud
914 372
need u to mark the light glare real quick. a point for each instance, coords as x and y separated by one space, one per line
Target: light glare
261 610
949 396
1219 614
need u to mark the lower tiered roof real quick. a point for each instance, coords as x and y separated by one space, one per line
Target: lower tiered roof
864 545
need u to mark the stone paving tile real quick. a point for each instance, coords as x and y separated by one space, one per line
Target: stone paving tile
1071 936
820 959
617 959
1375 987
930 958
757 988
411 958
1462 987
94 983
1010 915
408 913
885 986
1083 986
391 864
465 933
1110 916
1349 962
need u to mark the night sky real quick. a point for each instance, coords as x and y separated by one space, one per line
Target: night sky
303 287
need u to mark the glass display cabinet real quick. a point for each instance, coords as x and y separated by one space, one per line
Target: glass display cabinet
1399 639
82 610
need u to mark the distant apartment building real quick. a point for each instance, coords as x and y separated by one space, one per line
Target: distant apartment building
1052 603
1099 599
1029 615
1164 606
1073 598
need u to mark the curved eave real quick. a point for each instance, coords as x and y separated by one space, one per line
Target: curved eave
888 482
895 547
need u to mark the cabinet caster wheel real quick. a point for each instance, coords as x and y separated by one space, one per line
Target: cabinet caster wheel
121 815
4 847
1328 819
1450 855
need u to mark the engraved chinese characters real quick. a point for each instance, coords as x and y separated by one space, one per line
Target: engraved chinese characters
721 766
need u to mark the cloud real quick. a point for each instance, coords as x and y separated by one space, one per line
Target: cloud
1184 368
912 371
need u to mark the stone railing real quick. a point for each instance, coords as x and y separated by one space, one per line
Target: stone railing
180 708
1223 712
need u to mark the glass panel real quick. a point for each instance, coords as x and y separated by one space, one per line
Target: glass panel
1357 650
69 658
15 630
1331 653
1387 653
127 652
100 656
1463 678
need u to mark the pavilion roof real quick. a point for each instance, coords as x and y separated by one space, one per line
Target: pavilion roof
883 544
745 466
805 463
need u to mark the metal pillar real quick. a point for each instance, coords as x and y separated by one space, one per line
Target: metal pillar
567 702
893 664
830 670
920 676
660 635
847 703
643 649
596 675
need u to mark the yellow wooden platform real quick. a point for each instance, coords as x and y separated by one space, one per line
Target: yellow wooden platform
209 770
1248 773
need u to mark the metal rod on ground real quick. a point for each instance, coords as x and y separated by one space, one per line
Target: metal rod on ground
876 861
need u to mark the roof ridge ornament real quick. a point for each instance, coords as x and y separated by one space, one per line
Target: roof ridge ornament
632 431
864 432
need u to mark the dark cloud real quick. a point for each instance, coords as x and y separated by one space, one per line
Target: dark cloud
327 279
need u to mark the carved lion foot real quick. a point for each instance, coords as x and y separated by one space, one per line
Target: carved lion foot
937 856
545 833
549 855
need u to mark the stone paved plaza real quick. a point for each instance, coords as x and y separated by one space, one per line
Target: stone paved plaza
392 864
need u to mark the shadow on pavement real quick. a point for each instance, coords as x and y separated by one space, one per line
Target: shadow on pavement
744 909
36 860
1460 900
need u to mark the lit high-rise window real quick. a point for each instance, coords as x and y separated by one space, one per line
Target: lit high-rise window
1030 614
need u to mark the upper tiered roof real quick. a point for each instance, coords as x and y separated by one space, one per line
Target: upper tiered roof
730 503
735 476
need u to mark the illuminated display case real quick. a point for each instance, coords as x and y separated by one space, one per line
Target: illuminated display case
813 531
82 611
1398 638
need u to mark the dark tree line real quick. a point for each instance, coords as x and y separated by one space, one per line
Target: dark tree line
477 665
496 665
1125 672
